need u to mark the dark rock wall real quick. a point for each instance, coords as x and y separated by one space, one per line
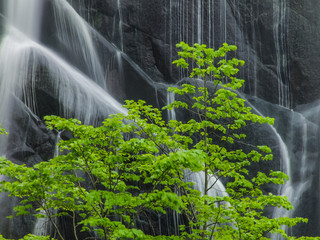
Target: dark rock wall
269 34
304 42
150 30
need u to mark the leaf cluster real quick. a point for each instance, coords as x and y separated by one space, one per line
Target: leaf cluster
107 176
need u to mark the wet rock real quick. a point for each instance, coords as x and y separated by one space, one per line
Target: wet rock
29 141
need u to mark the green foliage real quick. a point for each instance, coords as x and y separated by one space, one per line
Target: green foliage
132 164
97 181
30 237
220 115
2 131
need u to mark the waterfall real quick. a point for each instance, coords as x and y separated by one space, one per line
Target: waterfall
288 188
14 43
54 62
196 21
29 68
302 183
76 35
280 23
199 22
171 99
82 96
31 11
120 24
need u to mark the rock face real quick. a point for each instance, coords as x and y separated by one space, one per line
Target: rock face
303 46
87 66
277 39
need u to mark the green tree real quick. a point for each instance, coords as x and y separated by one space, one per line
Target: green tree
133 164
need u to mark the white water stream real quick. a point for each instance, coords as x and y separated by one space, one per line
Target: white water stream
83 96
23 58
280 23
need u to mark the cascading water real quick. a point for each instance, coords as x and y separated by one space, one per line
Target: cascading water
65 66
83 96
285 165
29 69
120 24
280 22
30 23
171 99
76 36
